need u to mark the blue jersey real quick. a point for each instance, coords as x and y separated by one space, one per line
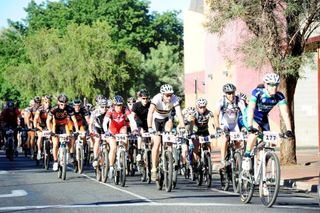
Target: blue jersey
264 103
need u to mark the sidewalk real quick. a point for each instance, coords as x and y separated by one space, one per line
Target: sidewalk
303 176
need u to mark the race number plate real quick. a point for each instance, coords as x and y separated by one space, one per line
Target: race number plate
121 137
205 139
270 137
236 136
168 138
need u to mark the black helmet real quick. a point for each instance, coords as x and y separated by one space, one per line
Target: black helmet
76 102
131 100
10 104
229 88
144 93
62 98
37 99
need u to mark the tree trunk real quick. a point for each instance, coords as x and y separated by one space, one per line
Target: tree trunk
288 146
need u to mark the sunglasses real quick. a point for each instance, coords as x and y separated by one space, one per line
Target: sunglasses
230 93
202 107
168 95
272 85
144 98
103 107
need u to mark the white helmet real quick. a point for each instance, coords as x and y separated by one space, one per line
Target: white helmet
271 78
191 111
166 88
201 102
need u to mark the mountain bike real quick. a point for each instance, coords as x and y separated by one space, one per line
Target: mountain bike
9 144
262 170
230 174
103 166
145 169
46 135
79 151
165 171
121 160
62 155
132 153
204 169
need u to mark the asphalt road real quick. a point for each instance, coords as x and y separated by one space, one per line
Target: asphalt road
27 188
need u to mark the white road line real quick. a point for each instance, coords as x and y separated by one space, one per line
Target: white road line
16 208
3 172
121 190
225 192
15 193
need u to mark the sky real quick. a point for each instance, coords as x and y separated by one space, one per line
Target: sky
13 9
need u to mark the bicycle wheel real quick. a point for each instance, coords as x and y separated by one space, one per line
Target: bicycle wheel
246 186
123 168
168 170
148 166
64 163
199 174
175 167
208 170
133 161
236 171
270 180
80 159
46 154
104 165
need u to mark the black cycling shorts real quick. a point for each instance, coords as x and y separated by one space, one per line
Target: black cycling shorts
160 124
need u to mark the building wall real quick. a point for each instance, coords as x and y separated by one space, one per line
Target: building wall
213 61
306 108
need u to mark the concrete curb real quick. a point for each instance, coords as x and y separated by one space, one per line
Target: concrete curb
300 185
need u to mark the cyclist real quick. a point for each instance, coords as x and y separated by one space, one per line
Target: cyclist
9 119
226 115
98 126
262 100
57 122
138 118
159 120
40 119
29 117
203 125
189 114
118 122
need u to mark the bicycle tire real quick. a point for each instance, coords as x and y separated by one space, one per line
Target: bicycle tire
46 154
208 170
123 168
148 167
168 170
199 175
80 159
246 186
104 165
132 165
264 189
64 165
236 171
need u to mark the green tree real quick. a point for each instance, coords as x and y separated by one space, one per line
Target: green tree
83 62
279 30
162 66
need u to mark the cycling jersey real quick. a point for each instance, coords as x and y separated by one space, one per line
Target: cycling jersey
9 118
61 116
229 113
201 122
264 104
43 114
141 114
117 121
99 121
162 110
31 111
80 117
